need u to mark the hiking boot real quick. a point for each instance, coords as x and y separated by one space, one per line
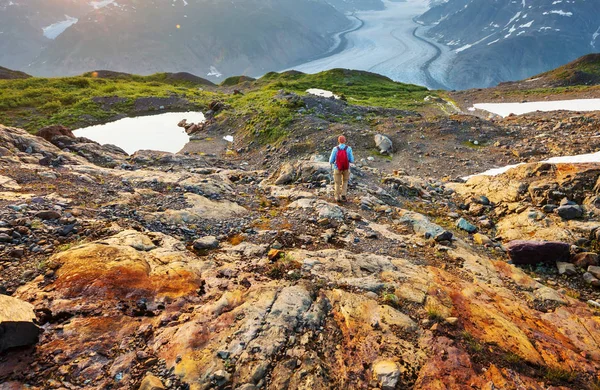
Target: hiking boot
344 199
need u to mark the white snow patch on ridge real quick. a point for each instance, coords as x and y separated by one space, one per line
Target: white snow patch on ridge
577 159
101 3
322 93
505 109
55 29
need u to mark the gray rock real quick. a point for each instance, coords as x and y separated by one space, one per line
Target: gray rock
566 269
444 236
17 327
47 215
206 243
384 144
594 270
591 280
570 211
466 226
386 373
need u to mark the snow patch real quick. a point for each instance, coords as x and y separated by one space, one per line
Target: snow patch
101 3
505 109
322 93
55 29
558 12
214 72
228 138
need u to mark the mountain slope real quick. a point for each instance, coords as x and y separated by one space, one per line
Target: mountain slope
7 74
204 37
512 40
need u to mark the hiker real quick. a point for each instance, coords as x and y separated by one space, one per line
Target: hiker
341 157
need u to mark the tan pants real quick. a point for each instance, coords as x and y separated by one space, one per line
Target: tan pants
340 183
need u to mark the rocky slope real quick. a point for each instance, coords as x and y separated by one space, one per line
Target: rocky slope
235 269
512 40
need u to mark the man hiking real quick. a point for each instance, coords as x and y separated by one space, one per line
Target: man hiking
341 157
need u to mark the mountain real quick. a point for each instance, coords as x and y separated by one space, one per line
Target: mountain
504 40
205 37
7 74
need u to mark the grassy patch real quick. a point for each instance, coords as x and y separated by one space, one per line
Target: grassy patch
560 375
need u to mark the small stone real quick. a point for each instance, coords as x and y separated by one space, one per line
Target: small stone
594 270
591 280
443 236
569 212
151 382
206 243
466 225
452 320
481 239
386 372
585 259
274 254
48 215
566 268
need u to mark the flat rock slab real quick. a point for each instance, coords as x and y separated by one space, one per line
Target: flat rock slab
533 252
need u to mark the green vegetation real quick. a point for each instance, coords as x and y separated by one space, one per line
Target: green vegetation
99 97
584 70
472 343
37 102
560 375
358 87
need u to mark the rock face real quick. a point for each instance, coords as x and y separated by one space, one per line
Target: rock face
17 327
533 252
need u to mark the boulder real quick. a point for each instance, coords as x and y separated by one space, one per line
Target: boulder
481 239
386 373
48 133
569 211
384 144
151 382
594 270
533 252
17 327
206 243
465 225
47 215
566 269
585 259
591 280
444 236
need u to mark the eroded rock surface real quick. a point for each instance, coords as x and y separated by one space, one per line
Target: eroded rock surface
284 289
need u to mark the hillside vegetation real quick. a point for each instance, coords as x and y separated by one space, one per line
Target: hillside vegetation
98 97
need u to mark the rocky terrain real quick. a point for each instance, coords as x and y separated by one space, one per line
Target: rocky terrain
229 266
234 269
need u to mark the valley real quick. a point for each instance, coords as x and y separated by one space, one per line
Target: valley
390 43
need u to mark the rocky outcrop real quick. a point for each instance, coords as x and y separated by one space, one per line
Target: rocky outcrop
17 323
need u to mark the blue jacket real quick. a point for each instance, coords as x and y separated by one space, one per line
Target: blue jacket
334 154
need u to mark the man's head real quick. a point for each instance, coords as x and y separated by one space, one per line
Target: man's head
342 139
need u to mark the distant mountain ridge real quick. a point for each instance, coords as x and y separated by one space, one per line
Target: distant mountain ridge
204 37
502 40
